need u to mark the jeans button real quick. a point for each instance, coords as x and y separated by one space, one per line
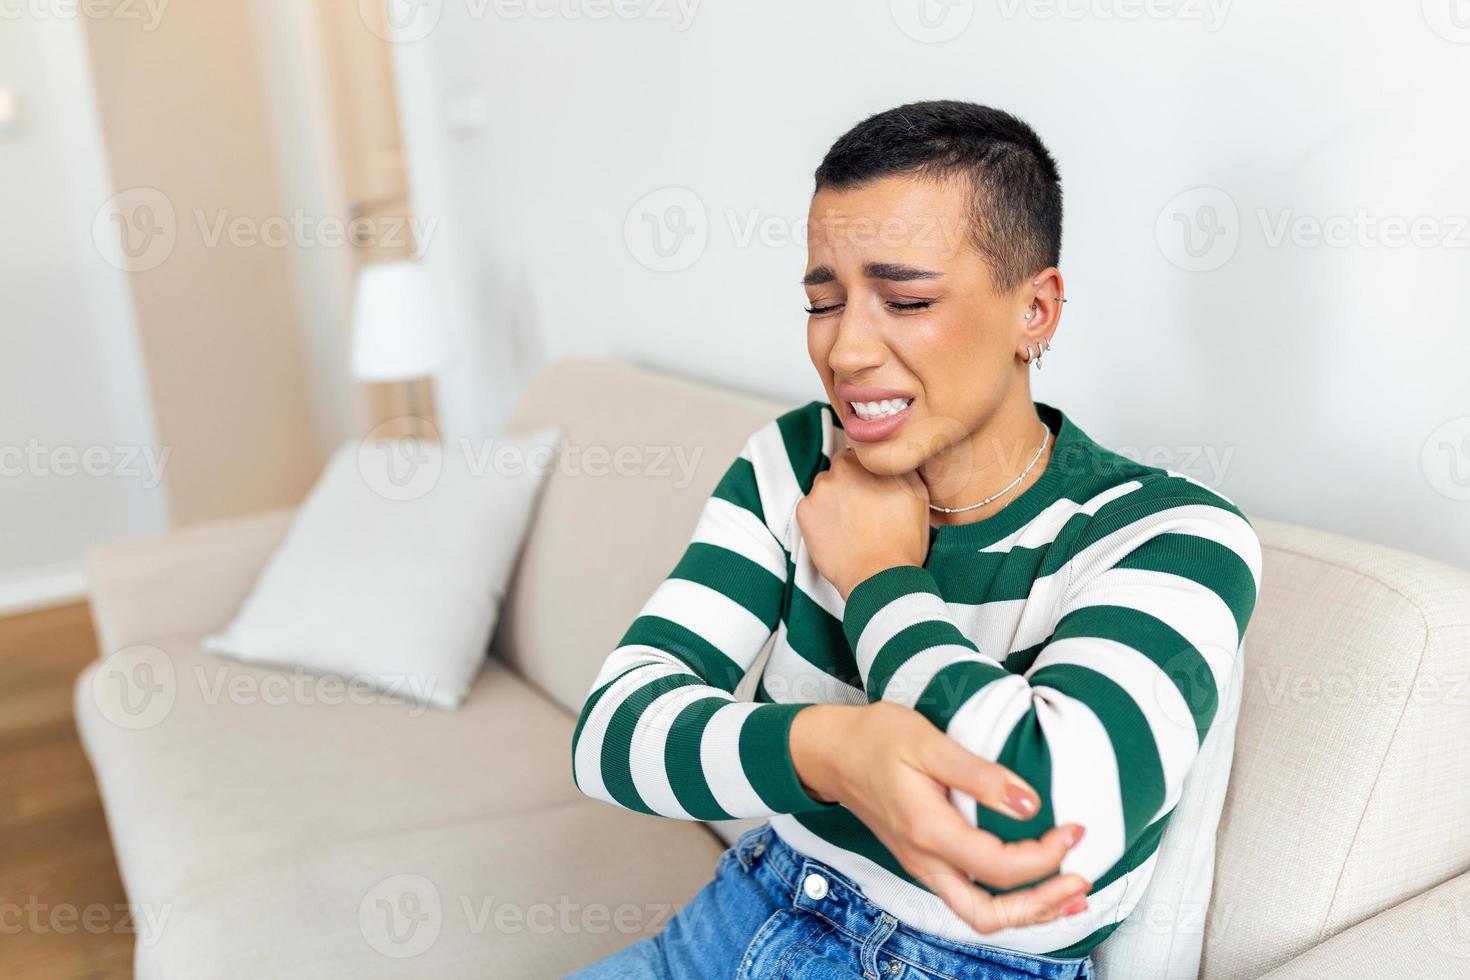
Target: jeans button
815 886
758 850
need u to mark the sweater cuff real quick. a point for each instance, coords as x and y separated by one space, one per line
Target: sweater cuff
878 590
765 755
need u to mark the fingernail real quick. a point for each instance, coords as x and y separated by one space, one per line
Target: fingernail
1020 801
1075 835
1074 907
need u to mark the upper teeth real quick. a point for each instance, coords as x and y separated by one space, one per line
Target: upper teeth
877 410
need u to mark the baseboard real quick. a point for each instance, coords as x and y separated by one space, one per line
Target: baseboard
41 588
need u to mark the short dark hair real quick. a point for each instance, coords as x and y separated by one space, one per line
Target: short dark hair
1015 189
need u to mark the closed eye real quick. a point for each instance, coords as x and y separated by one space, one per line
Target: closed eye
910 307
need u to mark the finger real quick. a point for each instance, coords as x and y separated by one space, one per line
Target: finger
990 860
997 788
1020 861
988 913
990 784
1041 903
958 892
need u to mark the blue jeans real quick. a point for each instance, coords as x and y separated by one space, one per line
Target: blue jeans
774 913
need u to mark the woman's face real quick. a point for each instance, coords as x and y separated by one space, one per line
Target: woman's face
902 307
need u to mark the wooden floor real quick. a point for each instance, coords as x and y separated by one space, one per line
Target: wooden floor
58 878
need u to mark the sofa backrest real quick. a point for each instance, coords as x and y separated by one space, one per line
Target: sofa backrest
643 450
1351 778
1351 775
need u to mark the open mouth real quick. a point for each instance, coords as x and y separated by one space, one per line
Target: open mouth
887 408
874 420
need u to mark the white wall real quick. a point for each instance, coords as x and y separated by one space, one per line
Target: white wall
1325 384
75 431
303 143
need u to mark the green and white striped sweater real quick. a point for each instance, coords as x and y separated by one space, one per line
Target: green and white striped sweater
1081 636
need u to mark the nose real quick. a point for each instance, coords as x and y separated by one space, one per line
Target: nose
859 346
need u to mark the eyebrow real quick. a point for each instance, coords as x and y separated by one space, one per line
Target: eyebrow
891 271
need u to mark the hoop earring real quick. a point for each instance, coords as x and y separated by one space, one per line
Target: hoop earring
1042 347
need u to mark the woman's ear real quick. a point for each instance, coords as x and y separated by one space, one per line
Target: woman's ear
1044 296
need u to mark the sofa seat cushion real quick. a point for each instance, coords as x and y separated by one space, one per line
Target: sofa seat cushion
275 799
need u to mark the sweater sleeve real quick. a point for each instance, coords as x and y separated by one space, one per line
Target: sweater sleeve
1110 714
661 731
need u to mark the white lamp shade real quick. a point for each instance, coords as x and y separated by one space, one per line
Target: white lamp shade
397 331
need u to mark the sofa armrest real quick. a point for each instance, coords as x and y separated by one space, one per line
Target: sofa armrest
1425 936
184 583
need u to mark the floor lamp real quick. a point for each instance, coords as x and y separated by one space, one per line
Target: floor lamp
397 333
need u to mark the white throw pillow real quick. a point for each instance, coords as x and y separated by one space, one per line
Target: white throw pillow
1164 936
393 571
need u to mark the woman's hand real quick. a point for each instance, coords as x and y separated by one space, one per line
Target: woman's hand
856 523
893 769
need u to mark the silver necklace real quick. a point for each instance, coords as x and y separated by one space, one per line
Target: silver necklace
955 510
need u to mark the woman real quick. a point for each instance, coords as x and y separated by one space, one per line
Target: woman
998 645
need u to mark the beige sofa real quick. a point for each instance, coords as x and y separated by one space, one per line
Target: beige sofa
280 837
